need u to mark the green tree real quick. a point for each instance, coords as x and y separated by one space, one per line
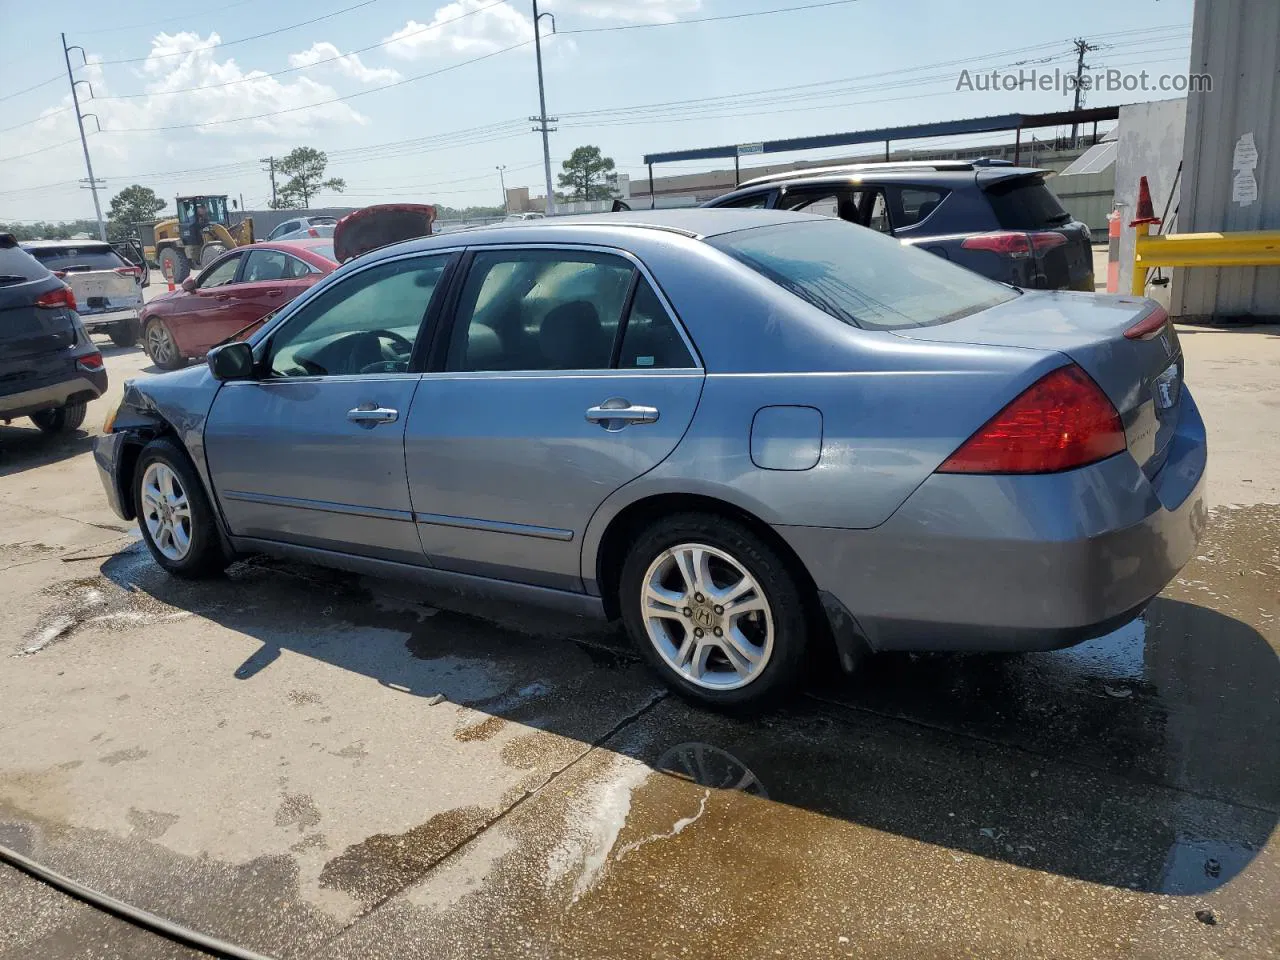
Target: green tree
588 175
133 204
304 166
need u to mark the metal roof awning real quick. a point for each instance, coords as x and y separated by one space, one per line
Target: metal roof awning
946 128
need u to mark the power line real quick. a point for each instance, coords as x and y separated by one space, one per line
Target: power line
232 43
46 116
306 66
32 153
153 23
37 86
727 16
322 103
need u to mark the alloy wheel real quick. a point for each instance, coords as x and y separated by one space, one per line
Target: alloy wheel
707 616
166 511
160 345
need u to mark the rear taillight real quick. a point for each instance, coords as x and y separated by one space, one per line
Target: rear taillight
1014 243
313 232
91 362
1149 327
129 271
62 297
1060 422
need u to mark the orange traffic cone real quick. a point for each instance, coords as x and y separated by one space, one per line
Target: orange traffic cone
1146 213
1113 252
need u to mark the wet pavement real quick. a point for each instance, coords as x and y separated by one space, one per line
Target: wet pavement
318 765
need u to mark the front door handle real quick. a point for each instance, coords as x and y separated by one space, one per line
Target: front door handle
369 415
616 413
275 292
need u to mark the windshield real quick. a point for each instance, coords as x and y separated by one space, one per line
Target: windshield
862 277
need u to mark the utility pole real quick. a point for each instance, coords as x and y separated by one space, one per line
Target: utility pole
502 180
543 120
1082 47
84 141
271 166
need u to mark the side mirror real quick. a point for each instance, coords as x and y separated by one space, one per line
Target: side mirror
189 284
231 361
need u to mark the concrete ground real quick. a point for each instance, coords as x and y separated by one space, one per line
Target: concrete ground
312 764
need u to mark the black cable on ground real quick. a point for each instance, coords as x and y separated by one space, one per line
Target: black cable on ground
135 915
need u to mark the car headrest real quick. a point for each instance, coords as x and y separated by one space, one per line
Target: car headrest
570 336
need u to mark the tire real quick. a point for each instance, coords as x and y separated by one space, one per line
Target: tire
161 347
211 252
60 419
775 631
174 264
174 515
124 333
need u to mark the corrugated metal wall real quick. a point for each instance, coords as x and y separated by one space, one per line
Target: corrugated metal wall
1237 42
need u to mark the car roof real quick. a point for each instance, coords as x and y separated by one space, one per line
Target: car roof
916 173
46 244
308 245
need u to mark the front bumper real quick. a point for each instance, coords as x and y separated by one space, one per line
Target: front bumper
1016 563
106 454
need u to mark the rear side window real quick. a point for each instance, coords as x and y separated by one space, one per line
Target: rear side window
18 266
860 277
1025 203
917 203
98 257
650 339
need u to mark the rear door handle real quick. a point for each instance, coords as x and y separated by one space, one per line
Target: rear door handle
616 413
222 296
369 415
275 293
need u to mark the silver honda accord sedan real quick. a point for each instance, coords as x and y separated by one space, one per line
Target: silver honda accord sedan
755 437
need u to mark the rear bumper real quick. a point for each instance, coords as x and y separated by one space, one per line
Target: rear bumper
78 385
1017 563
101 319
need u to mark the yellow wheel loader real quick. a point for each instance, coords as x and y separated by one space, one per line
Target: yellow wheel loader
196 237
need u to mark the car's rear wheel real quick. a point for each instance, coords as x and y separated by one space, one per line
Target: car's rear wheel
124 333
60 419
174 515
716 610
160 346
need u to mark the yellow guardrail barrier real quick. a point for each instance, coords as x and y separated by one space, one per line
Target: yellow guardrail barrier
1247 248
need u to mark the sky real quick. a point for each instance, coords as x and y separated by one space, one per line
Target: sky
422 100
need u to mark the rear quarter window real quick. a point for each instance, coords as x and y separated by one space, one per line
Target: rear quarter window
18 266
78 258
861 277
1025 203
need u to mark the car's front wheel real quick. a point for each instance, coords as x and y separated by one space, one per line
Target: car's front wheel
716 610
160 346
174 514
60 419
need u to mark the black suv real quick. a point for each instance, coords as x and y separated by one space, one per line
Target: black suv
49 368
997 219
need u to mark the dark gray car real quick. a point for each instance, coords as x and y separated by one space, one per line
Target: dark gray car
49 368
999 220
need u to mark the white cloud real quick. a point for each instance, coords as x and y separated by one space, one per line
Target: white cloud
485 31
348 64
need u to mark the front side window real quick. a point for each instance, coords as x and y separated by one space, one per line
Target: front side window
859 277
367 323
756 201
539 310
220 274
267 265
879 217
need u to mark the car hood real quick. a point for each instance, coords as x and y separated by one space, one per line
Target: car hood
377 226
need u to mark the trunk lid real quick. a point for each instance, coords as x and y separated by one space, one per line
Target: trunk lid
1143 378
377 226
91 270
1021 200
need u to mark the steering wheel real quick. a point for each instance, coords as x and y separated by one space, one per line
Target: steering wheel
405 345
